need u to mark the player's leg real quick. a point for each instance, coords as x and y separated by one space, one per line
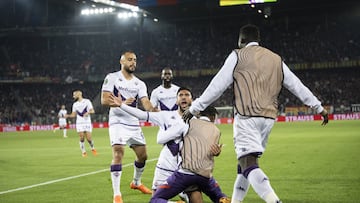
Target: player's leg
195 197
176 183
213 191
118 143
241 187
116 169
82 143
63 127
194 194
160 176
139 166
250 137
258 179
91 142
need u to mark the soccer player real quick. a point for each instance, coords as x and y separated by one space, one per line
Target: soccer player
81 109
164 96
62 120
199 145
257 75
124 129
169 155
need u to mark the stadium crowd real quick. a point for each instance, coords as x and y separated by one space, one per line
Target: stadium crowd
39 102
59 63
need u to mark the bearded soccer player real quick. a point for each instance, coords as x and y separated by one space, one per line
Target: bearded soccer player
169 156
124 129
82 109
164 96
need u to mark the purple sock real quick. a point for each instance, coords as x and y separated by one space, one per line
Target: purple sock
139 165
117 167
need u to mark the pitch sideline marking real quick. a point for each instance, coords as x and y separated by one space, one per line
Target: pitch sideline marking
64 179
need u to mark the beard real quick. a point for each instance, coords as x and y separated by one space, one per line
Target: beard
76 99
128 70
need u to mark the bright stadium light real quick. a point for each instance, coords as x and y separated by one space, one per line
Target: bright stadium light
85 12
125 15
117 4
97 11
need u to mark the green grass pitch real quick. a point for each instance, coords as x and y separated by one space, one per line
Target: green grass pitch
306 163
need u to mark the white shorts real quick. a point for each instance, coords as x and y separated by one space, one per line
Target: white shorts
160 177
251 134
121 134
83 127
62 122
165 167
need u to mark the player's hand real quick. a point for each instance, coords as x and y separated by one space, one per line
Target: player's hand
325 116
187 116
114 101
129 101
215 149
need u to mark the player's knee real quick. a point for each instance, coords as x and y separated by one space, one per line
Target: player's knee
142 157
248 163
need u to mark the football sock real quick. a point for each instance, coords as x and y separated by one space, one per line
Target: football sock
138 171
91 143
115 172
271 198
241 187
82 147
64 132
261 185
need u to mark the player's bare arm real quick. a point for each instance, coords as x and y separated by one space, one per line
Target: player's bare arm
91 111
72 115
147 104
107 99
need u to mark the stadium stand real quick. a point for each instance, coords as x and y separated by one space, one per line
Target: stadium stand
40 66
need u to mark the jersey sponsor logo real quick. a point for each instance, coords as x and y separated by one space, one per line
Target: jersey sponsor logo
134 91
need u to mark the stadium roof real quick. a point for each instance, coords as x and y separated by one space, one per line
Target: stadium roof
22 13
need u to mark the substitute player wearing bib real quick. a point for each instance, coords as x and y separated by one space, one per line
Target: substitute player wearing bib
81 109
164 96
199 144
169 156
124 129
257 75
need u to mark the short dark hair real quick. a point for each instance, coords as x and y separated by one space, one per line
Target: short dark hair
126 51
209 111
249 33
166 68
184 88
